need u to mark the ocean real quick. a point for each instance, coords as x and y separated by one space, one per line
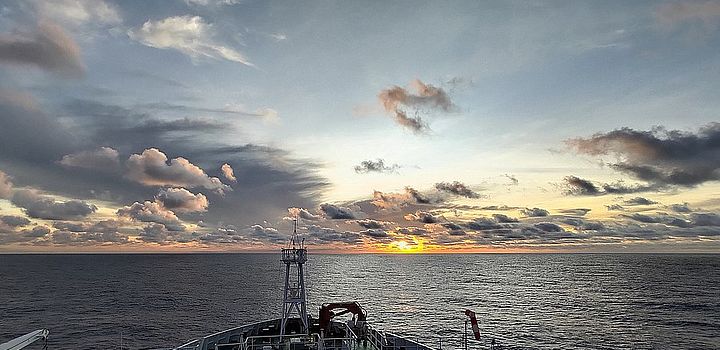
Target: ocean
530 301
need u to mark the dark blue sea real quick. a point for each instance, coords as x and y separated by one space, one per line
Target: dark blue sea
533 301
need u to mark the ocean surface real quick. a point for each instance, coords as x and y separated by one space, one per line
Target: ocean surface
534 301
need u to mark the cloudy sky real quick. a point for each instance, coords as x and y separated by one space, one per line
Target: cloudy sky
404 126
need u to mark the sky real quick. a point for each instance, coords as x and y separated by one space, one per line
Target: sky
401 126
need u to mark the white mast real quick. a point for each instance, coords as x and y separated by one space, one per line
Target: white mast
294 256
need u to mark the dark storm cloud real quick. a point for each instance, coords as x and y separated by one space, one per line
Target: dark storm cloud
483 223
27 134
48 48
10 235
14 221
576 211
375 166
580 187
663 219
660 157
705 219
584 225
336 212
398 101
39 206
417 196
621 188
457 188
644 218
639 201
549 227
373 224
502 218
534 212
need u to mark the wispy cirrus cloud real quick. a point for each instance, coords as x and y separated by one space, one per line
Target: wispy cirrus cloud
190 35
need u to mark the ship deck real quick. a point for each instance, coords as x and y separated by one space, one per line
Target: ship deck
265 335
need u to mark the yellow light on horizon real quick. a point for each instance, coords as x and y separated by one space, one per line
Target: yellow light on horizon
402 246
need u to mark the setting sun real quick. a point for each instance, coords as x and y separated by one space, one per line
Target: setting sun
406 247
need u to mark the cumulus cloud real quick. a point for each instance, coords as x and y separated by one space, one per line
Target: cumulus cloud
228 172
48 48
152 212
457 188
6 186
190 35
660 157
39 206
399 102
336 212
302 214
102 159
424 217
375 166
534 212
182 200
151 168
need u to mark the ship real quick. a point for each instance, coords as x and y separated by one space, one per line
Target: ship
296 329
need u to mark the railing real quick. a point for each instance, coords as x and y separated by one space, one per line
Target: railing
294 255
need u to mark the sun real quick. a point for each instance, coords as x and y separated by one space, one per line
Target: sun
401 246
